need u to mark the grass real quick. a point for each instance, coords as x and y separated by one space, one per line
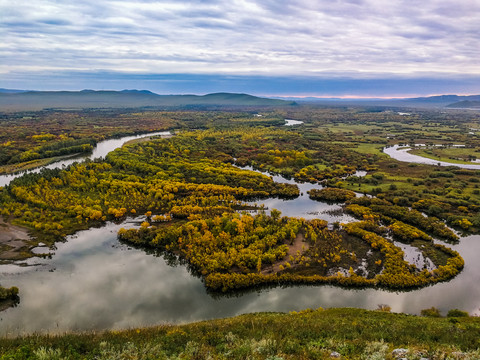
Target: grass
353 333
364 148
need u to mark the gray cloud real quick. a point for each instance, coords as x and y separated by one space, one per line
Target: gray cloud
302 37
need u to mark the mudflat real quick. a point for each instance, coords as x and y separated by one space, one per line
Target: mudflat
14 241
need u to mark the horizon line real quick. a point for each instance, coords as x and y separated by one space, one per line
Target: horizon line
302 96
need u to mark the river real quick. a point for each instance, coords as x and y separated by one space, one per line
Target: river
93 282
100 151
401 153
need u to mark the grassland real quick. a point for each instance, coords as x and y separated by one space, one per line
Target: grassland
310 334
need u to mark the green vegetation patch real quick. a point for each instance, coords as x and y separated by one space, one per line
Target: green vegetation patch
331 194
239 251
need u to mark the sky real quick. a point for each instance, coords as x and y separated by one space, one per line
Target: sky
325 48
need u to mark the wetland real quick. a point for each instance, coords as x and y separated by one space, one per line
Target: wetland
107 230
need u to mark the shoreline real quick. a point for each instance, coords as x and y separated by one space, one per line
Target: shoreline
14 240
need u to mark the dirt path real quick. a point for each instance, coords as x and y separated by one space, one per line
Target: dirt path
13 241
299 244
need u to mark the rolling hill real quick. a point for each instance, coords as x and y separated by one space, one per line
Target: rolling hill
465 104
439 101
38 100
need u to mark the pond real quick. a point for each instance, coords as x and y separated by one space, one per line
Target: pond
290 122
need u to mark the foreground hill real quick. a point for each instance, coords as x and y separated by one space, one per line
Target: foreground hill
321 334
38 100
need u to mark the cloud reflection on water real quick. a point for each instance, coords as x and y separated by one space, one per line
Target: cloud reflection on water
100 284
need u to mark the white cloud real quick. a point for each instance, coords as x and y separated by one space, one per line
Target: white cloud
242 36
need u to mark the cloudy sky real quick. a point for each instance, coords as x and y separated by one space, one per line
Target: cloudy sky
268 47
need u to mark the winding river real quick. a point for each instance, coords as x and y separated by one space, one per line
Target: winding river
401 153
100 151
93 282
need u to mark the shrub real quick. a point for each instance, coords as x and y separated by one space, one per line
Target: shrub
432 312
457 313
331 194
8 293
384 307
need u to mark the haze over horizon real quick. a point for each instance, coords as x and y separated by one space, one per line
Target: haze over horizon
346 48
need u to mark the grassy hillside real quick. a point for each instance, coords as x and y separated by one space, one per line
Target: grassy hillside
320 334
38 100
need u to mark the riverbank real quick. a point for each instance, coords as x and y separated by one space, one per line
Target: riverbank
405 154
101 149
309 334
14 242
453 155
31 165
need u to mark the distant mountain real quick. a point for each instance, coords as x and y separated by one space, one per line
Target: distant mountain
442 100
465 104
439 101
134 91
11 91
38 100
237 99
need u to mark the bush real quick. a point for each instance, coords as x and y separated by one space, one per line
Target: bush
457 313
331 194
432 312
384 307
8 293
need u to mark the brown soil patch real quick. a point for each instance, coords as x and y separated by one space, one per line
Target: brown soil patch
299 245
13 241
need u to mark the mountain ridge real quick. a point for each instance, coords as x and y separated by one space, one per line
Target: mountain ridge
436 101
465 104
38 100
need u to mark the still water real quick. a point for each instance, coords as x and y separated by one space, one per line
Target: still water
303 206
93 282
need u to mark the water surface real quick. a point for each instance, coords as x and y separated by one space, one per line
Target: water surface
93 282
290 122
401 153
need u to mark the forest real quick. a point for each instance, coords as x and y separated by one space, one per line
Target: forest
190 191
